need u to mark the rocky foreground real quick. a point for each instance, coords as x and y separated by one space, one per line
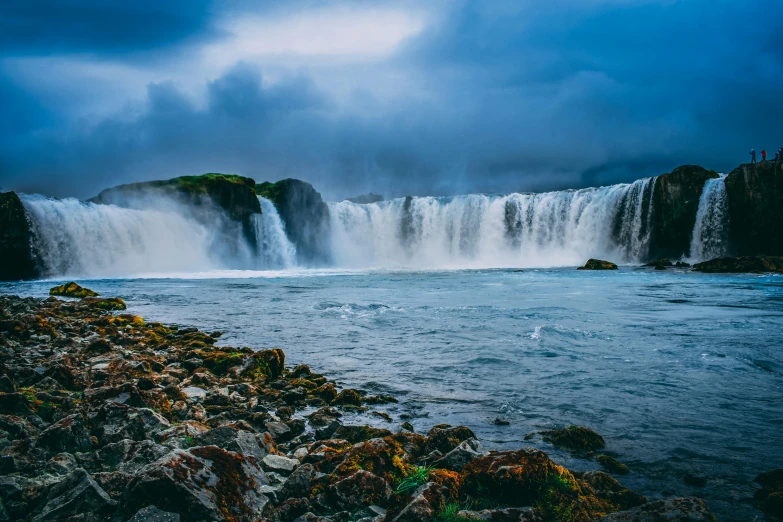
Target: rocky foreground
104 416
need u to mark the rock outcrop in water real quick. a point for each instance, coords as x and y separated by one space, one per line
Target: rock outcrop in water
305 215
751 264
675 203
755 200
104 416
16 254
598 264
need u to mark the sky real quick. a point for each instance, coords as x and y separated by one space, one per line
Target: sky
398 98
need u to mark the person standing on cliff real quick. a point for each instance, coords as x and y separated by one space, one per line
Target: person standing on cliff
764 155
753 155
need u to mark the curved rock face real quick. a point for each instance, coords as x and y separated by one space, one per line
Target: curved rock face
675 204
305 215
755 194
16 256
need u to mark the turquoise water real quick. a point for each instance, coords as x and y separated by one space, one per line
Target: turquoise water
681 372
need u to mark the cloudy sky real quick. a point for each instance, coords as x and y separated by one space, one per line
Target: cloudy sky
436 97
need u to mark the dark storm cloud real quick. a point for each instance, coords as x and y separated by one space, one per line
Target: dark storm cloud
503 97
55 26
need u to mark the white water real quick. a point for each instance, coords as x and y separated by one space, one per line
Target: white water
275 251
518 230
709 232
75 238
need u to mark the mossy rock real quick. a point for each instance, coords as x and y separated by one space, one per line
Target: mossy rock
445 438
660 263
612 465
348 397
72 290
108 304
745 264
598 264
575 438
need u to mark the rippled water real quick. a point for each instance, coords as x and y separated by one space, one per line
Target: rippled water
682 373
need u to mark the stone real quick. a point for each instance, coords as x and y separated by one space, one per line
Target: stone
426 502
445 438
279 464
612 465
575 438
525 514
153 514
231 439
747 264
72 290
598 264
460 456
354 434
279 431
300 481
362 488
61 464
76 493
16 240
688 509
204 483
66 435
755 209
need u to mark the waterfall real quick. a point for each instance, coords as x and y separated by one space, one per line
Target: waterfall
74 238
549 229
710 230
275 251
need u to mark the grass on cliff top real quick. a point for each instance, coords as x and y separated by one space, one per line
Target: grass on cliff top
271 191
195 184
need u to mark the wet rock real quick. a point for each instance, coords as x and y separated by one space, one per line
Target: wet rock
688 509
362 488
426 502
115 422
279 431
76 493
663 263
575 438
107 304
460 456
612 465
501 422
126 393
755 200
6 384
16 240
300 481
153 514
348 397
72 290
356 434
752 264
598 264
231 439
279 464
129 456
61 464
67 435
445 438
200 483
770 496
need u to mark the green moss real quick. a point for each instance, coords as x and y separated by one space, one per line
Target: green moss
271 191
72 290
199 184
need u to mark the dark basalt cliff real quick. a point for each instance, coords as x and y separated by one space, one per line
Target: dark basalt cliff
305 215
755 196
234 194
675 203
16 256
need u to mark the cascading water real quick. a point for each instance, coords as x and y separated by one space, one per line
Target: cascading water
275 251
75 238
710 230
550 229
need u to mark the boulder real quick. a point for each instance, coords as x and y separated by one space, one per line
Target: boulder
755 209
15 240
362 488
612 465
76 493
460 456
300 482
279 464
200 483
232 439
675 203
72 290
770 496
445 438
751 264
354 434
597 264
424 504
66 435
687 509
526 514
575 438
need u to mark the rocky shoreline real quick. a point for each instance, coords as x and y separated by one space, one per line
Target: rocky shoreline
104 416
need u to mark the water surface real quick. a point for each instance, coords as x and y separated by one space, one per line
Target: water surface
681 372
